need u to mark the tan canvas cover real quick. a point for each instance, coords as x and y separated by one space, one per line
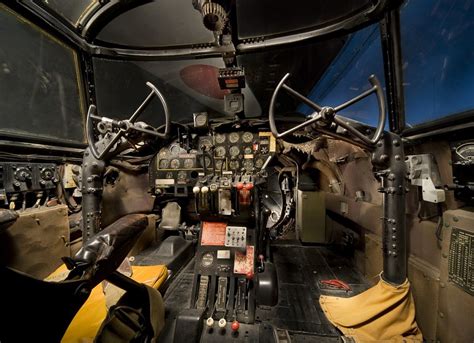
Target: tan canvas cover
383 313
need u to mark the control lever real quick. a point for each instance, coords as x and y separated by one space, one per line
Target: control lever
328 114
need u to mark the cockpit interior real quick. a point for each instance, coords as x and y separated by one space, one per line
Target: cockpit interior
236 171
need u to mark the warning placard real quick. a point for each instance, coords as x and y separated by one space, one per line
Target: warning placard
243 263
213 233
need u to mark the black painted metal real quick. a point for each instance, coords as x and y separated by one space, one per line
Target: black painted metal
389 161
92 189
392 55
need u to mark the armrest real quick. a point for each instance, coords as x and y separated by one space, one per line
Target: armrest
105 251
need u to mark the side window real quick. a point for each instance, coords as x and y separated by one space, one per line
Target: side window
40 85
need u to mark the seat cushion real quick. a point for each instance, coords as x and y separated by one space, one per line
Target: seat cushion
88 319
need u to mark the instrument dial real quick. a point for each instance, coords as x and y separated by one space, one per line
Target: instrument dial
248 164
220 138
188 163
175 149
205 161
234 151
219 164
220 151
247 137
234 137
164 152
164 164
206 142
182 176
248 150
259 163
234 164
174 164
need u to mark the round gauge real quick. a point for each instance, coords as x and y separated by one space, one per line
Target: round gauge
220 151
466 152
207 259
200 119
220 138
234 137
234 164
182 175
248 150
248 164
47 174
206 160
164 164
164 152
188 163
206 142
247 137
234 151
175 149
174 164
219 164
259 163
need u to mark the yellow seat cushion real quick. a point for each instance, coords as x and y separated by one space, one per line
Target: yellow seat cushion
88 319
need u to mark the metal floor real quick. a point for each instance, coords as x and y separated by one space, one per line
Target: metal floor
300 270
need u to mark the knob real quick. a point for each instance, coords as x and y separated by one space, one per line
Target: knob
239 186
249 186
196 189
235 326
222 323
204 189
210 322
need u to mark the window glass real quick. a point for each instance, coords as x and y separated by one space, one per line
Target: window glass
40 87
438 71
348 75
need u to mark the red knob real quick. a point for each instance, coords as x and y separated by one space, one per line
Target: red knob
239 186
249 186
235 326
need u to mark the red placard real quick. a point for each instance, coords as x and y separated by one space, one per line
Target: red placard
243 263
213 233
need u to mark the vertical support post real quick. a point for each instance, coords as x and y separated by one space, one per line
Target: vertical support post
392 56
92 189
389 161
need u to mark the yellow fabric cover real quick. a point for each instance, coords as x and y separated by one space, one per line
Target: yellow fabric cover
88 319
383 313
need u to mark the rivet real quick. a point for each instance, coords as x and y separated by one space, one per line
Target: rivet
456 219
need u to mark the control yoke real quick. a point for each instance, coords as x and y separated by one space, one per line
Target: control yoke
328 114
125 126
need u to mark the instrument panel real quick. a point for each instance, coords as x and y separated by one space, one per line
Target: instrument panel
213 154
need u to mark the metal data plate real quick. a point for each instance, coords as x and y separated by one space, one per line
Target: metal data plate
461 260
236 236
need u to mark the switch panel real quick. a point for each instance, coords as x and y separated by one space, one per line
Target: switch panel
235 236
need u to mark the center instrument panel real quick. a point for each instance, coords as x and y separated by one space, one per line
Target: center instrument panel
177 166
